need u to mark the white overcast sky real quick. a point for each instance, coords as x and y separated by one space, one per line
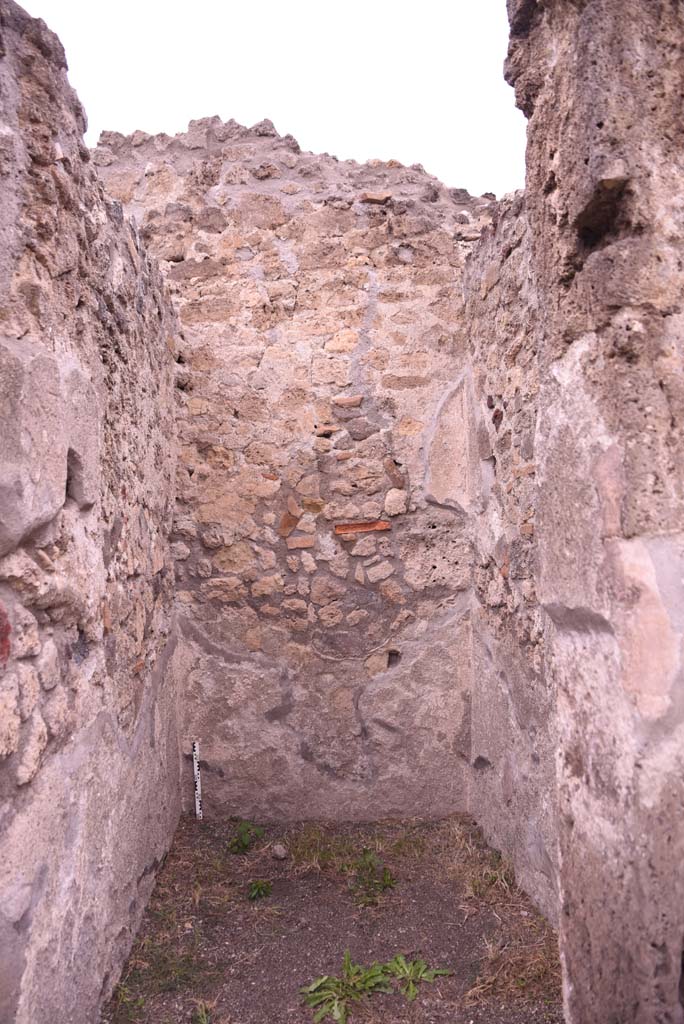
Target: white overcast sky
417 81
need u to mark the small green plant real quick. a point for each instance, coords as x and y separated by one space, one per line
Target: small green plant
371 878
202 1013
128 1005
330 996
162 966
258 889
246 833
411 973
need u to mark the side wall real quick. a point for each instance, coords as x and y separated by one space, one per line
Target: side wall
88 750
602 82
513 703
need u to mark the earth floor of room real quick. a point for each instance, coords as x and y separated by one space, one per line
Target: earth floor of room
207 953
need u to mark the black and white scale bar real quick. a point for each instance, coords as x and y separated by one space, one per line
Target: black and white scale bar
198 779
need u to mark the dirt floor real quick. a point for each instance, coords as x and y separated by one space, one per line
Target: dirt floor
208 954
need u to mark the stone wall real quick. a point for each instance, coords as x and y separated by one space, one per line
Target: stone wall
324 555
602 84
88 749
513 726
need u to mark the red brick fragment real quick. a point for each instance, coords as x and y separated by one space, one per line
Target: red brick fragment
376 524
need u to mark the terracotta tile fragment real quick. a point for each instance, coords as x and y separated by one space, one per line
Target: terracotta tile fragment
288 522
393 472
376 524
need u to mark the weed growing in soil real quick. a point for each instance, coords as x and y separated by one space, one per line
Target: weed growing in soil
202 937
371 878
312 848
408 845
202 1013
246 834
127 1005
258 889
332 996
521 962
411 973
159 968
166 969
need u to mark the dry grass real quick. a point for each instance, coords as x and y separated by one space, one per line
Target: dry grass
317 848
327 848
513 968
521 961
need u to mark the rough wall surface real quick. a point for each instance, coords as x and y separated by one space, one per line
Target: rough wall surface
513 726
88 751
602 84
325 565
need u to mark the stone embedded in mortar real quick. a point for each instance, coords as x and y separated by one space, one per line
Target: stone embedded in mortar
396 502
294 543
10 718
35 742
347 401
378 572
364 547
